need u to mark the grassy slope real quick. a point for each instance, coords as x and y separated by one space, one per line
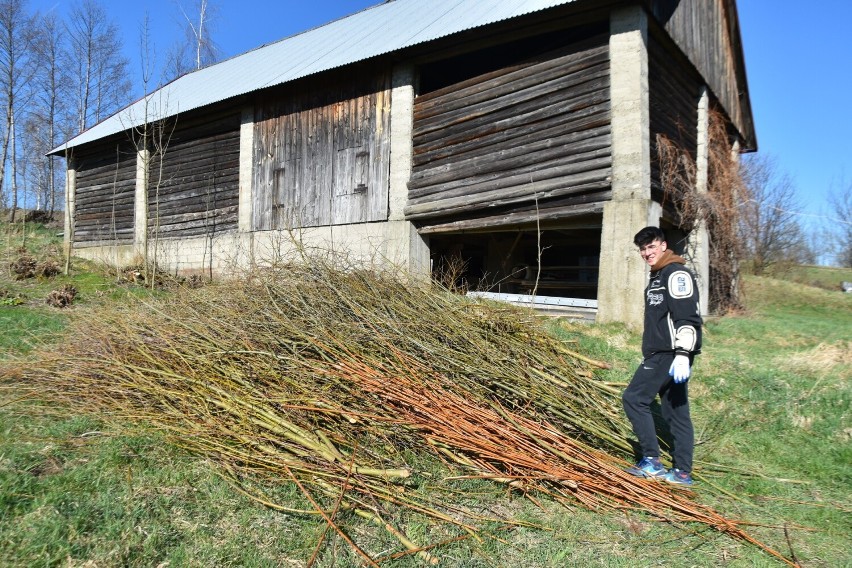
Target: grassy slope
777 403
771 399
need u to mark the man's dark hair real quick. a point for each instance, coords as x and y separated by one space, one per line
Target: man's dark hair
648 235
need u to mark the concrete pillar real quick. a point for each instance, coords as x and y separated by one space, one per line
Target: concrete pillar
246 171
622 276
700 238
140 218
405 243
70 206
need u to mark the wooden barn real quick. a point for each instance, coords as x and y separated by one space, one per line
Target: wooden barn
510 142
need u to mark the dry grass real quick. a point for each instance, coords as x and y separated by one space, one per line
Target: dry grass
824 359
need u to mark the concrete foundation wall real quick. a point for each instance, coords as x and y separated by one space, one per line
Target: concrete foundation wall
392 244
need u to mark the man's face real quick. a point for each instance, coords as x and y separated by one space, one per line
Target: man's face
652 251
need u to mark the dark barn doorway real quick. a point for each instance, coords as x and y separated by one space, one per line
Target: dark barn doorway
552 262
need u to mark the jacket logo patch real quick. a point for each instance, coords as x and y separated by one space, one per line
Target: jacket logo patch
680 284
655 299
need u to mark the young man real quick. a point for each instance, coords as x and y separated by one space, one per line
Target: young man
670 340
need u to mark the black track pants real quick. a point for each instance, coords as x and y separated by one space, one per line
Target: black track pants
649 380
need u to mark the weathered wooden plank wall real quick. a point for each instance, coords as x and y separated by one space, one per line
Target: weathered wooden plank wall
106 184
703 29
322 156
193 186
674 92
515 141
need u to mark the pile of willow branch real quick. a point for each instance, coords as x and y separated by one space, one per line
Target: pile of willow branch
322 376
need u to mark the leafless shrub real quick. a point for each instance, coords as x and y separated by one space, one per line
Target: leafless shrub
194 281
63 297
716 208
47 269
150 278
24 266
450 273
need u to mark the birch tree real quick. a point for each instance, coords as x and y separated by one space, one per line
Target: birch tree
48 123
100 71
198 49
16 69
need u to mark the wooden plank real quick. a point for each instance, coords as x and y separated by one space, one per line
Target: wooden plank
118 223
521 218
598 155
537 96
588 118
225 180
108 177
562 102
513 141
198 217
331 145
578 47
105 196
95 198
263 171
106 210
200 150
523 78
553 182
106 165
532 149
166 210
213 156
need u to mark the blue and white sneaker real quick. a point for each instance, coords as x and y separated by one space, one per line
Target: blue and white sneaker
647 467
677 476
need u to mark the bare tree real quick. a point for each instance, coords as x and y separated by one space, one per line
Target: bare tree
769 226
101 73
48 122
16 38
840 201
198 48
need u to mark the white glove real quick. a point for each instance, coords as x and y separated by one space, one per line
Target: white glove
680 370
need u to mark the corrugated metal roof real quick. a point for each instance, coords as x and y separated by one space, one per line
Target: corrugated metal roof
377 30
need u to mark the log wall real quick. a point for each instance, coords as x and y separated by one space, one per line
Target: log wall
193 184
106 185
517 141
707 31
322 155
674 92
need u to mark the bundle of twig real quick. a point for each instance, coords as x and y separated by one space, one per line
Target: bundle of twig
321 376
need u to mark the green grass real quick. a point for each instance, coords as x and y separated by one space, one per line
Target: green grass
72 492
829 278
771 405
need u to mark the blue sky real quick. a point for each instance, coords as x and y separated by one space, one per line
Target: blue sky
798 61
799 64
